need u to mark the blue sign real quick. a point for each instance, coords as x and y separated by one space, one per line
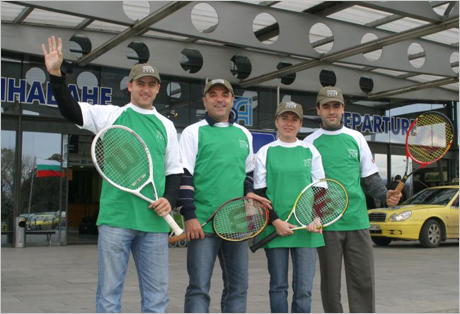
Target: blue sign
16 90
260 139
376 123
243 105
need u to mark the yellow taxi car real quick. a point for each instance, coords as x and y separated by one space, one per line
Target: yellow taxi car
430 216
40 222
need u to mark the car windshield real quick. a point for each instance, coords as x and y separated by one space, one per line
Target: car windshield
432 197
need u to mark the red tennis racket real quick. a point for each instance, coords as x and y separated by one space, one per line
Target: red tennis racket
428 139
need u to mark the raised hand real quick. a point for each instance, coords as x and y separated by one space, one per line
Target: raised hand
53 56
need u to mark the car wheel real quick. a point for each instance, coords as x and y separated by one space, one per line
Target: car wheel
381 241
172 244
431 234
182 243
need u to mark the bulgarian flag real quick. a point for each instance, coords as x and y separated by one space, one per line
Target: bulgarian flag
48 168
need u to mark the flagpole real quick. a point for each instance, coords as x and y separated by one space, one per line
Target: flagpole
32 185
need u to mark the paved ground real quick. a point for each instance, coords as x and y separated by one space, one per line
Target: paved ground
409 279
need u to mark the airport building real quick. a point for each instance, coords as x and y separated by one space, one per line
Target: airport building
393 61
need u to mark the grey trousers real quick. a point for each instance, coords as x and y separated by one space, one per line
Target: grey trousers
356 249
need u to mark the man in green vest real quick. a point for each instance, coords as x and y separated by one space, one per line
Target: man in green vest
218 163
347 158
126 223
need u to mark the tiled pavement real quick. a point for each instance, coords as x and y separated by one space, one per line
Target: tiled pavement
409 279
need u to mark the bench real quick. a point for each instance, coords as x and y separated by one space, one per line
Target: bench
49 233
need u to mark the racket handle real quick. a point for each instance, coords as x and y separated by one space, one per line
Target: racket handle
177 238
400 186
264 241
173 224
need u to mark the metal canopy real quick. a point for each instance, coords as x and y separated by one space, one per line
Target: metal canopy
409 49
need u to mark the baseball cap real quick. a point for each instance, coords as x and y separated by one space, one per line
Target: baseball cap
289 106
218 82
328 94
143 69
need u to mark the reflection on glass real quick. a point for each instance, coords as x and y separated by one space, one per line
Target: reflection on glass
41 192
398 166
382 165
8 152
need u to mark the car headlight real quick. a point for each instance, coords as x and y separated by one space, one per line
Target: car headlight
401 216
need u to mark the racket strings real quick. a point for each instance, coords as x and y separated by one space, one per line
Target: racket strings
240 219
122 158
321 204
430 138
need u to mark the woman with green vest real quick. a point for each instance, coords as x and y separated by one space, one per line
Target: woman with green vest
283 169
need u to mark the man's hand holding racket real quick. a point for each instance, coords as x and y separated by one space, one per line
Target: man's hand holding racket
315 226
193 229
283 228
261 199
393 197
161 206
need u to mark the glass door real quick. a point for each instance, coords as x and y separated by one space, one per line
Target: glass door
43 191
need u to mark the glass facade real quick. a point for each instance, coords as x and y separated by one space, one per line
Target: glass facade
43 192
8 177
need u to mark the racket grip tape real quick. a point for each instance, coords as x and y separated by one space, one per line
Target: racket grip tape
173 224
400 186
264 241
177 238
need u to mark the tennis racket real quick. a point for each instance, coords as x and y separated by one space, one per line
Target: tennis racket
322 202
428 139
123 159
236 220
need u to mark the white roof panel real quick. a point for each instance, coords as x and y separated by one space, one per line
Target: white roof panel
51 18
296 6
389 72
10 11
108 27
449 36
359 15
401 25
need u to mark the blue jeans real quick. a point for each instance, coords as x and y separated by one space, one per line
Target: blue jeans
303 263
201 257
150 253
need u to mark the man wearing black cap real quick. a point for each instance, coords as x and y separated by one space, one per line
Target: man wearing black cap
218 164
125 222
347 158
